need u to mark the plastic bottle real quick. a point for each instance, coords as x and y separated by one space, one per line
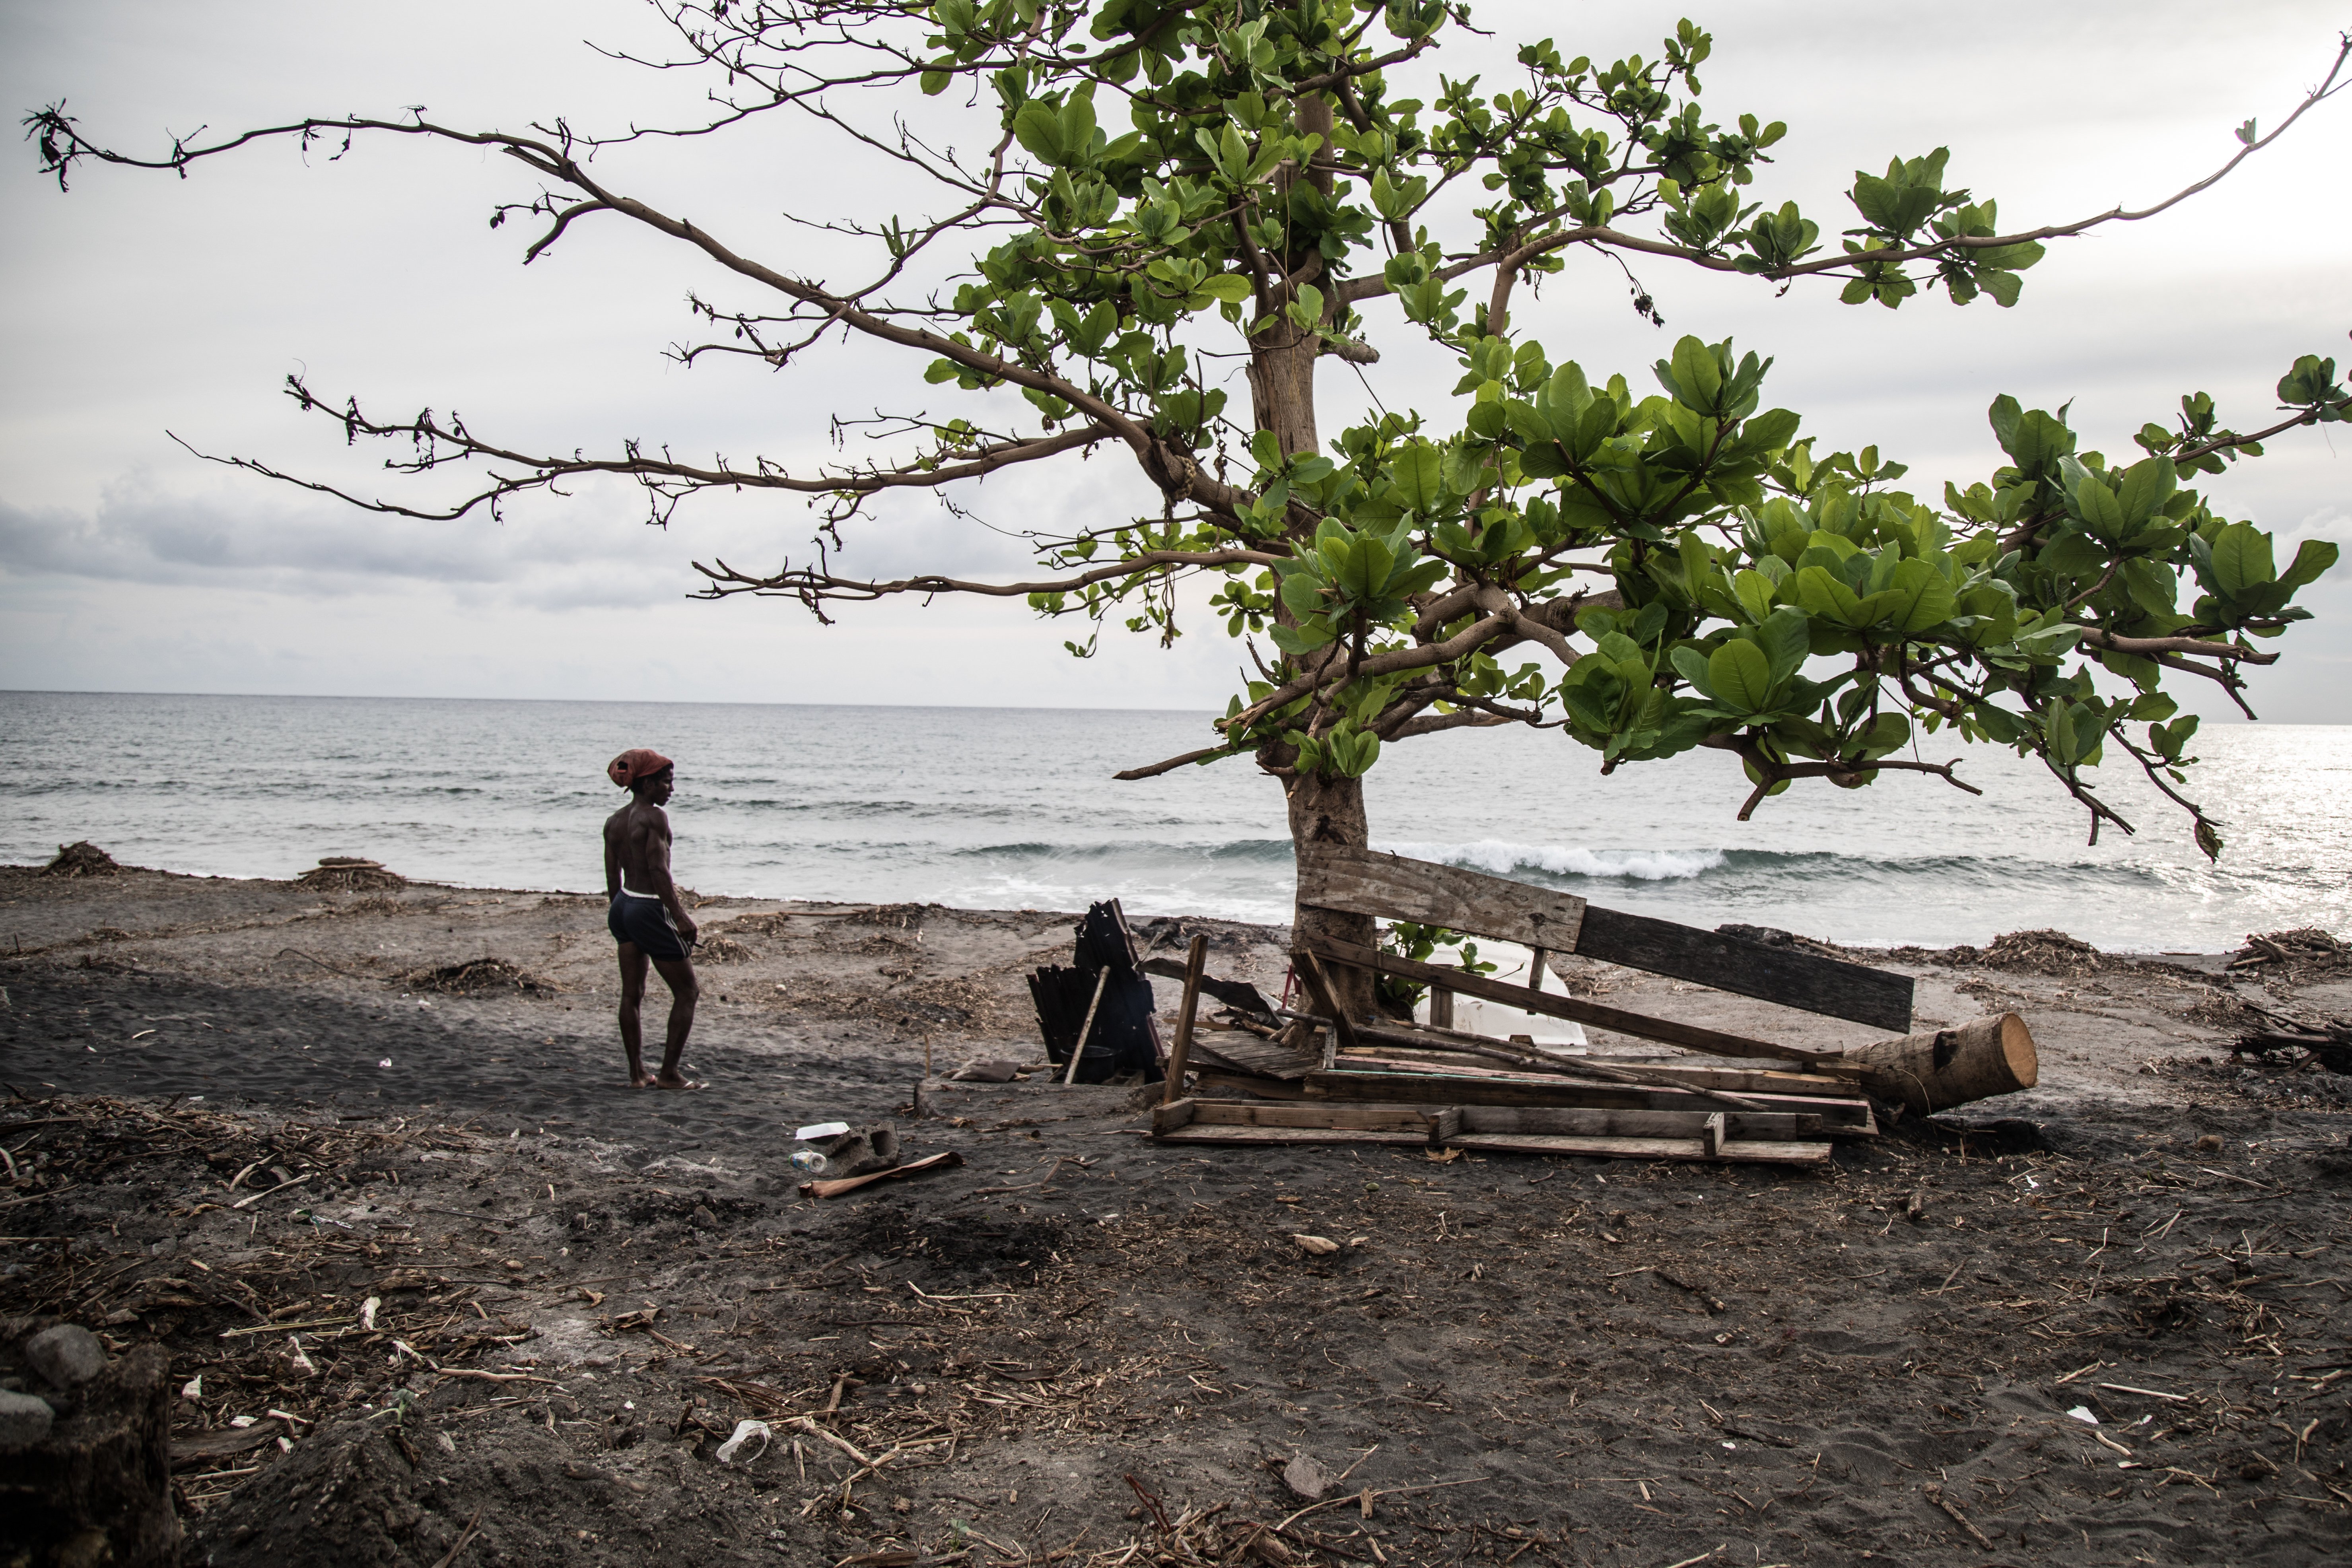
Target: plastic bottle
809 1162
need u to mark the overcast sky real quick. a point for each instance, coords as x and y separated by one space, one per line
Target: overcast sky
141 303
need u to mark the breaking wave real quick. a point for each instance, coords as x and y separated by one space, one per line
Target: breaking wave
1502 859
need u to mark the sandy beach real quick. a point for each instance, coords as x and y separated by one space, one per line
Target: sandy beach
242 1110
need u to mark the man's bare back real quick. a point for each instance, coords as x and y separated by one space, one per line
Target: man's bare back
647 917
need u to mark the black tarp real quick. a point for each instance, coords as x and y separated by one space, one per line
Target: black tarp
1124 1038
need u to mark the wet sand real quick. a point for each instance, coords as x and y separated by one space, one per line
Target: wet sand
1592 1362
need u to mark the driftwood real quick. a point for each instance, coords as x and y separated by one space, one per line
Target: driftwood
1951 1066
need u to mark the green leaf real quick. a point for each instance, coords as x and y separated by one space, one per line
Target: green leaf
1924 598
1691 665
1787 637
2242 559
1741 675
1039 129
2102 513
1824 596
2312 560
1229 287
1418 470
2147 484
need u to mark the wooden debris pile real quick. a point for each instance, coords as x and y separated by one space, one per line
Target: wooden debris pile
1266 1074
2306 949
2286 1037
350 874
475 976
81 859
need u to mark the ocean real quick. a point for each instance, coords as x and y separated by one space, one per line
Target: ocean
1015 808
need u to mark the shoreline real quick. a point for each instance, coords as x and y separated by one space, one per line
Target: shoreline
1865 951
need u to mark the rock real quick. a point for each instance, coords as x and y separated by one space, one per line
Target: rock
24 1419
67 1355
1304 1476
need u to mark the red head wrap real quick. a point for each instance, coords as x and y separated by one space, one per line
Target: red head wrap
638 762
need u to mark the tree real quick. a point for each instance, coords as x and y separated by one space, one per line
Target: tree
1167 185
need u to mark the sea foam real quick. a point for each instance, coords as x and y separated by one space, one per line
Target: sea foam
1502 858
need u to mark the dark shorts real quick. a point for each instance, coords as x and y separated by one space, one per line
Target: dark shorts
646 922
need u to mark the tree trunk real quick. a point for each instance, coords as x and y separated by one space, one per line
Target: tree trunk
1332 811
1281 400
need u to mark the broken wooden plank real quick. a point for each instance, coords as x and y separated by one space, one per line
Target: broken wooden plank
1246 1053
1690 1037
1310 969
1788 976
1214 1132
1206 1079
1333 877
1772 1126
1201 1112
1235 994
1180 1053
1845 1118
1737 1151
1740 1080
1364 881
843 1184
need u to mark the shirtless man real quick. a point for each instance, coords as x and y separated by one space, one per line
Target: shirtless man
647 919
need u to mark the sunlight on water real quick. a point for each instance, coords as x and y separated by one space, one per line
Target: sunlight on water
1015 808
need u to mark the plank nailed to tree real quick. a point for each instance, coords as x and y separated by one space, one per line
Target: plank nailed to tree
1690 1037
1336 877
1363 881
1825 985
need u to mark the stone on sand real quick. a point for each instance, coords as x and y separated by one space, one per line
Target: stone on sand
24 1419
68 1355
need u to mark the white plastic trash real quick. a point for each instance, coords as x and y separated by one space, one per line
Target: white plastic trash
822 1130
744 1432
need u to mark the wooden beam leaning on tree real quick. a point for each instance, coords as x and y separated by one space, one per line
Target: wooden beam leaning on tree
1366 882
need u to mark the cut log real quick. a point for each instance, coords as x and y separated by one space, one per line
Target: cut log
1951 1066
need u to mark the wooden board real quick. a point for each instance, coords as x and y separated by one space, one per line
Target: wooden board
1211 1132
1829 986
1246 1083
1735 1150
1773 1126
1240 1049
1447 1120
1333 877
1740 1080
1690 1037
1198 1112
1843 1117
1336 877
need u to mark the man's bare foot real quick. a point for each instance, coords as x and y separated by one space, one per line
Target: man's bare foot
678 1082
640 1077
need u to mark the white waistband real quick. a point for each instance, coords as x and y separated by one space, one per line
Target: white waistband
629 892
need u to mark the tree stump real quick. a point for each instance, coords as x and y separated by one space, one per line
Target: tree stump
97 1488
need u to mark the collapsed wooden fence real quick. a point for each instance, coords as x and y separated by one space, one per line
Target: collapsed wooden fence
1320 1076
